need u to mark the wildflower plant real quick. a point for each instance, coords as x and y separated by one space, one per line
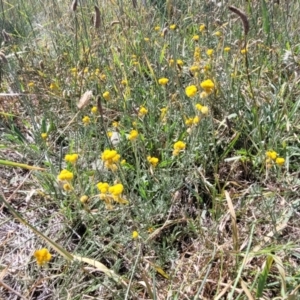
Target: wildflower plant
183 147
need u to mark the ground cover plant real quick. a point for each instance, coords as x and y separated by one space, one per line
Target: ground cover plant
149 150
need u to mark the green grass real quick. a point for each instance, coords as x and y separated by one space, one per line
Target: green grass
217 221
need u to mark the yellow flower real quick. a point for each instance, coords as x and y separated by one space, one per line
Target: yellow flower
191 90
143 111
195 38
124 82
103 77
84 199
271 154
42 256
157 28
116 190
72 158
106 96
123 162
244 51
171 62
194 69
163 81
173 26
146 39
133 135
135 235
163 112
94 110
189 122
44 136
86 69
280 161
197 54
204 110
202 27
218 33
30 84
196 120
110 156
210 52
109 134
65 175
227 49
67 187
86 120
153 160
54 86
115 124
207 85
179 62
178 146
103 187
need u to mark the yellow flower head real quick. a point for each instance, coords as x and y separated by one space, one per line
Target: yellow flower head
84 199
179 62
195 38
106 95
189 122
163 81
280 161
110 156
171 62
173 26
153 160
194 69
226 49
72 158
191 90
207 85
157 28
146 39
202 27
124 82
178 146
143 111
86 120
218 33
94 110
44 136
244 51
135 235
30 84
116 190
271 154
103 187
42 256
54 86
65 175
210 52
133 135
115 124
67 187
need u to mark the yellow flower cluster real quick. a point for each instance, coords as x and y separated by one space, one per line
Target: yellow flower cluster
111 193
86 120
110 158
191 90
163 81
178 147
142 111
208 87
197 54
133 135
65 175
272 156
71 158
202 108
153 161
42 256
192 121
106 95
